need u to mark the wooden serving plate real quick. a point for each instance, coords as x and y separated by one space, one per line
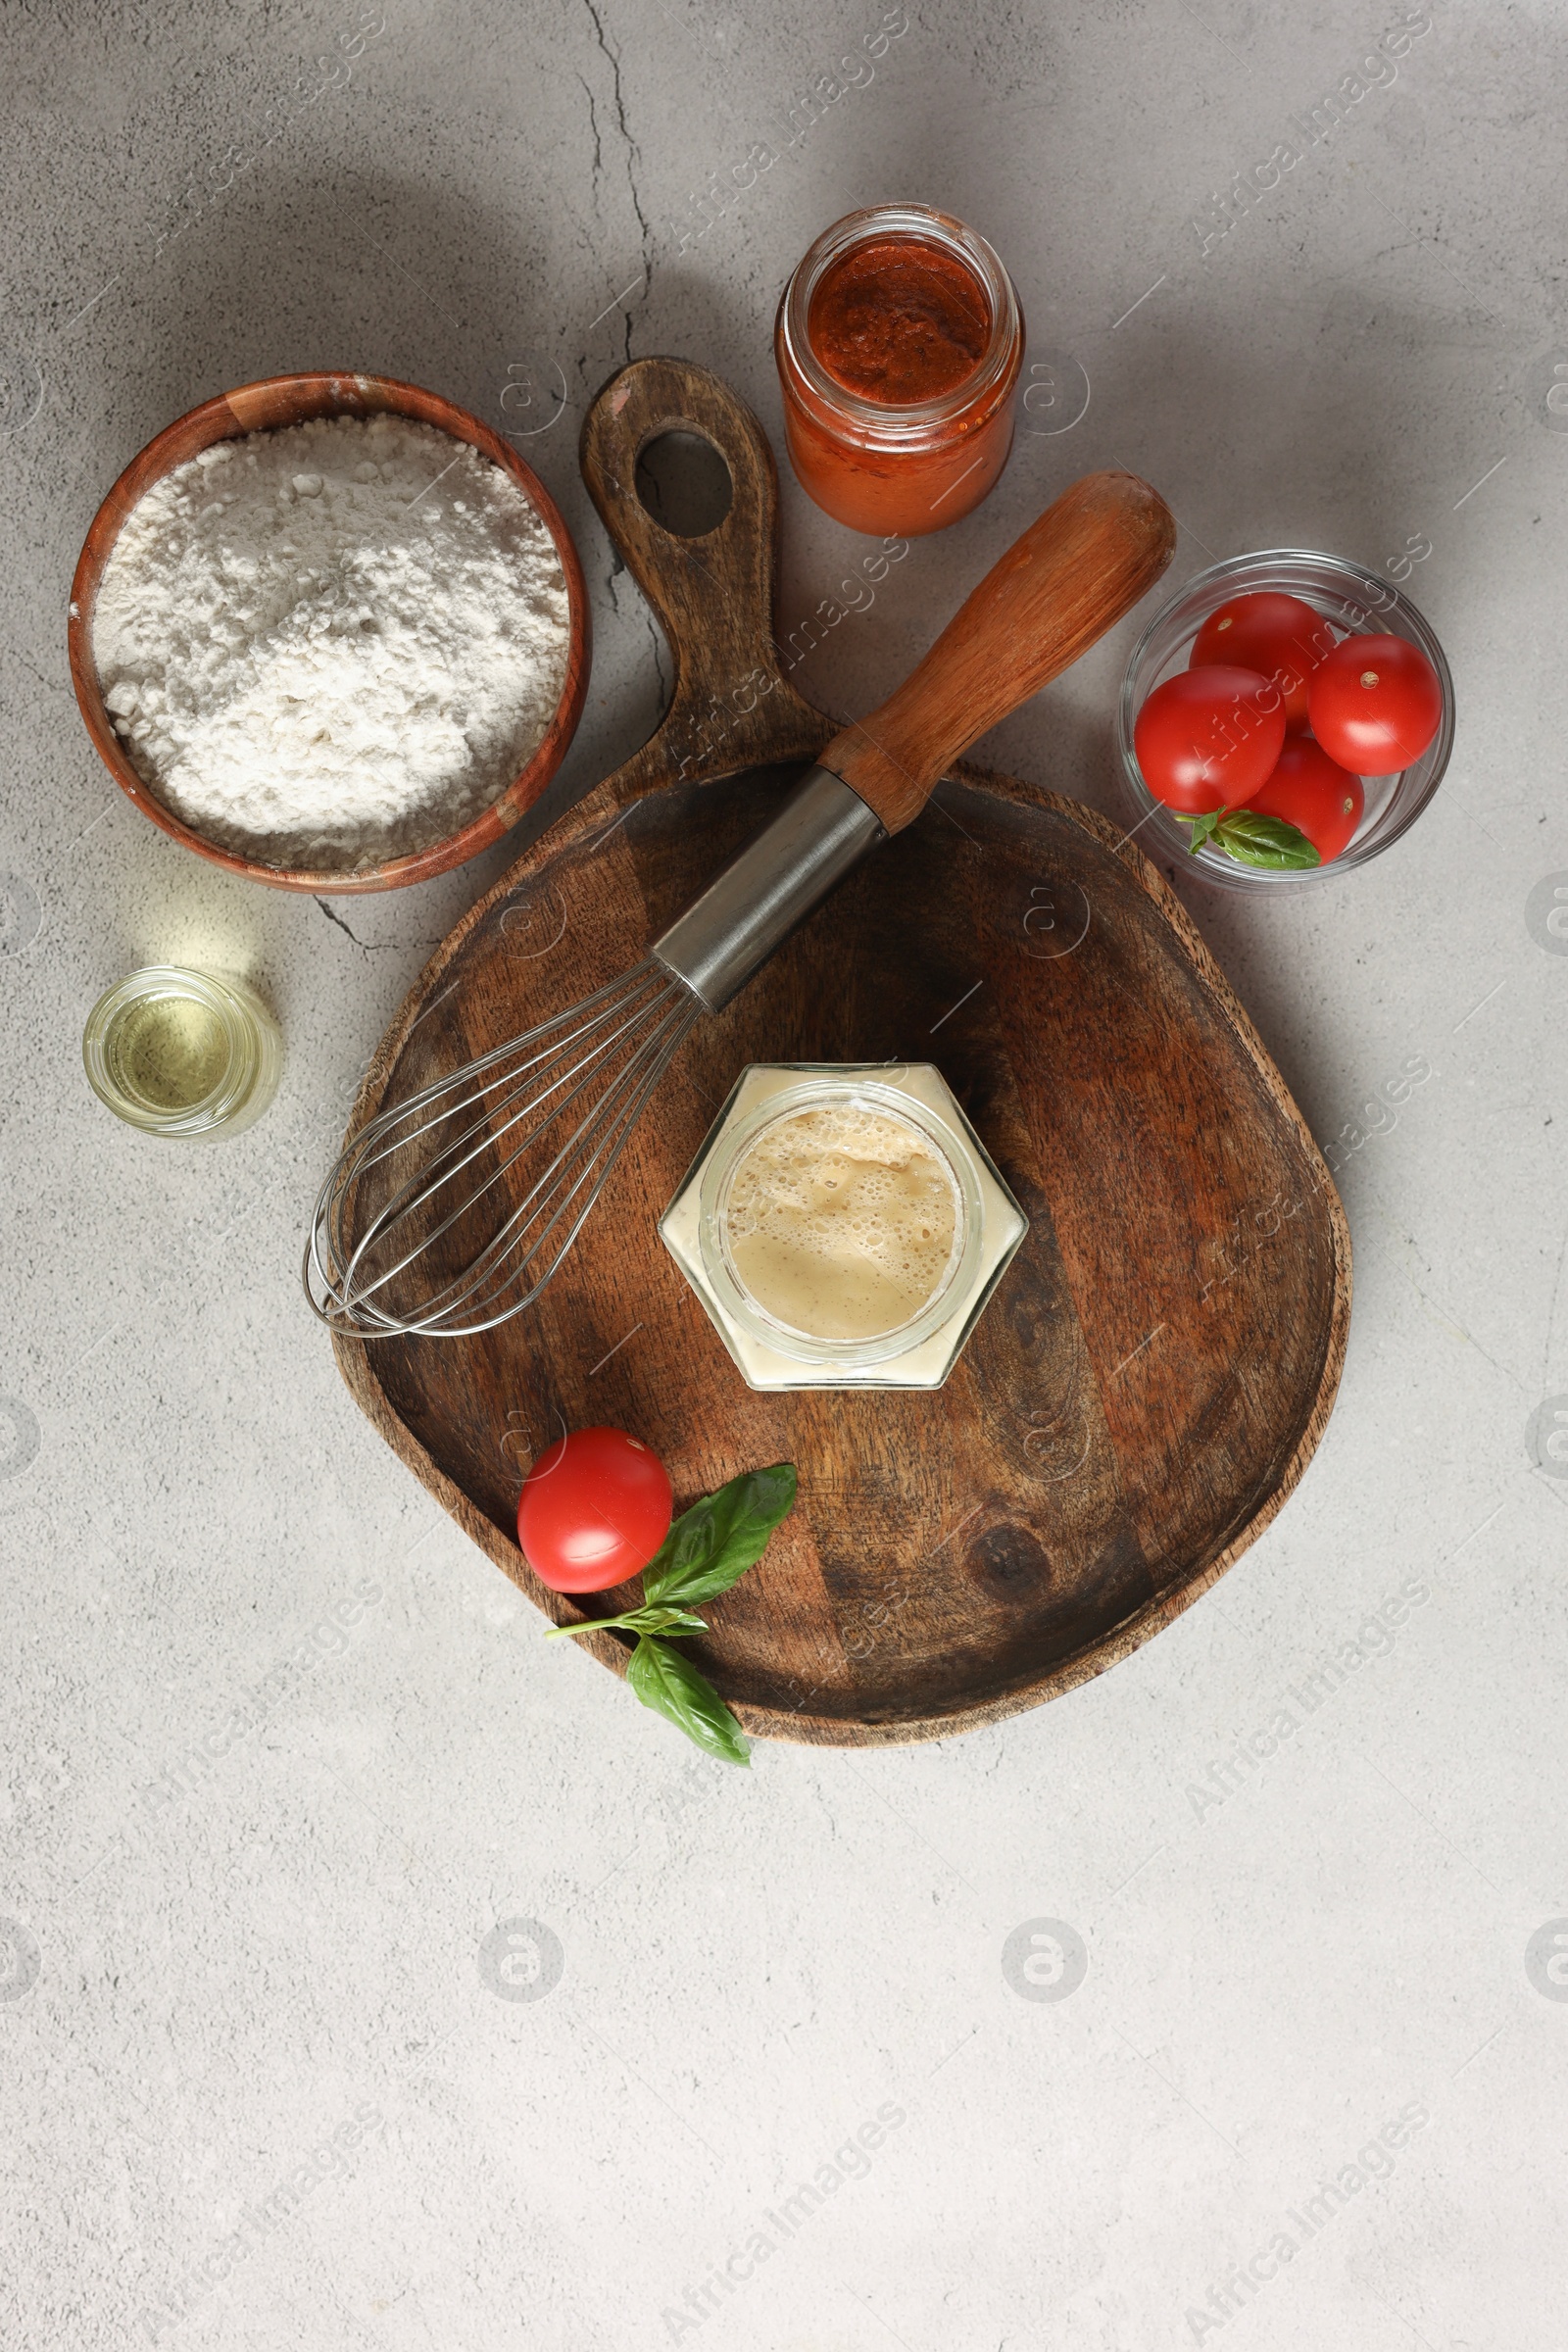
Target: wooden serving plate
1156 1369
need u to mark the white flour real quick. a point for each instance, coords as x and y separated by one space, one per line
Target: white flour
335 643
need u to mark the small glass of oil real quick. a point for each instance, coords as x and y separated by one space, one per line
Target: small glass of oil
181 1052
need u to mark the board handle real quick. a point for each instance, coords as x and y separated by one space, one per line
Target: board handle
1072 576
732 707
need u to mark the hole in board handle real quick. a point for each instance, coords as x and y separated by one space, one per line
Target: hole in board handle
684 483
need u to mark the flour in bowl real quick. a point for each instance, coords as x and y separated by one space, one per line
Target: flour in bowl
335 643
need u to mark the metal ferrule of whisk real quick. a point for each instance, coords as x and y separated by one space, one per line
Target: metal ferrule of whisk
531 1130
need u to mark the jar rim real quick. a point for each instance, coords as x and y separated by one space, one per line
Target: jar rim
905 421
874 1094
144 986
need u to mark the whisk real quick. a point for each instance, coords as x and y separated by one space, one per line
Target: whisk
536 1125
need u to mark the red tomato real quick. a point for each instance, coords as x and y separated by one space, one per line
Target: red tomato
1207 738
1309 792
595 1509
1278 635
1375 703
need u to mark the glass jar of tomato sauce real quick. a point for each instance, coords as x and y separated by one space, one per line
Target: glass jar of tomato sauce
899 342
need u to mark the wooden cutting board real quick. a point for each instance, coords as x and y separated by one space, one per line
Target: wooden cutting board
1153 1376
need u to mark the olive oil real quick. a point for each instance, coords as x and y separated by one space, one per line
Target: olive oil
168 1052
180 1052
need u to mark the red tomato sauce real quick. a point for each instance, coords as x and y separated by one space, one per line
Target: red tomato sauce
896 321
899 348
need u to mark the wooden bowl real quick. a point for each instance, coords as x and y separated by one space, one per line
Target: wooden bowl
290 399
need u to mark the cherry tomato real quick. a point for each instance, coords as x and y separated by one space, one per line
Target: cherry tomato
1278 635
1375 703
1207 738
1309 792
595 1509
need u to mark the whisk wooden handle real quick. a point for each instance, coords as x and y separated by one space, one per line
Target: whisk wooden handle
1072 576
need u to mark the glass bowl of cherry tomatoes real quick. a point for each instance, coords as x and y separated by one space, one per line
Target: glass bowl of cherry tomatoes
1285 716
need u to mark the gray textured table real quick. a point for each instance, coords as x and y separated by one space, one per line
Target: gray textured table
780 2061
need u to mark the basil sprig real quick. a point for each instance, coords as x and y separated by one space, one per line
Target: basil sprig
709 1548
1251 839
666 1681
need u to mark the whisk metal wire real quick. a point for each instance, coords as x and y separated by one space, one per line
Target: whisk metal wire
604 1054
376 1267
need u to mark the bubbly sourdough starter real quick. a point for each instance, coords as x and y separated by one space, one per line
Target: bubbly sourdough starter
841 1222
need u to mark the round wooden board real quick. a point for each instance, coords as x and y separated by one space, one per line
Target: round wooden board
1156 1367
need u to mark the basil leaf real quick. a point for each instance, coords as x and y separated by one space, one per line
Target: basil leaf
711 1546
672 1686
1267 841
1202 828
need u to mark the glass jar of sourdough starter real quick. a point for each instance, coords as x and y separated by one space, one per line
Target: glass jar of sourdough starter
899 342
180 1052
843 1226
